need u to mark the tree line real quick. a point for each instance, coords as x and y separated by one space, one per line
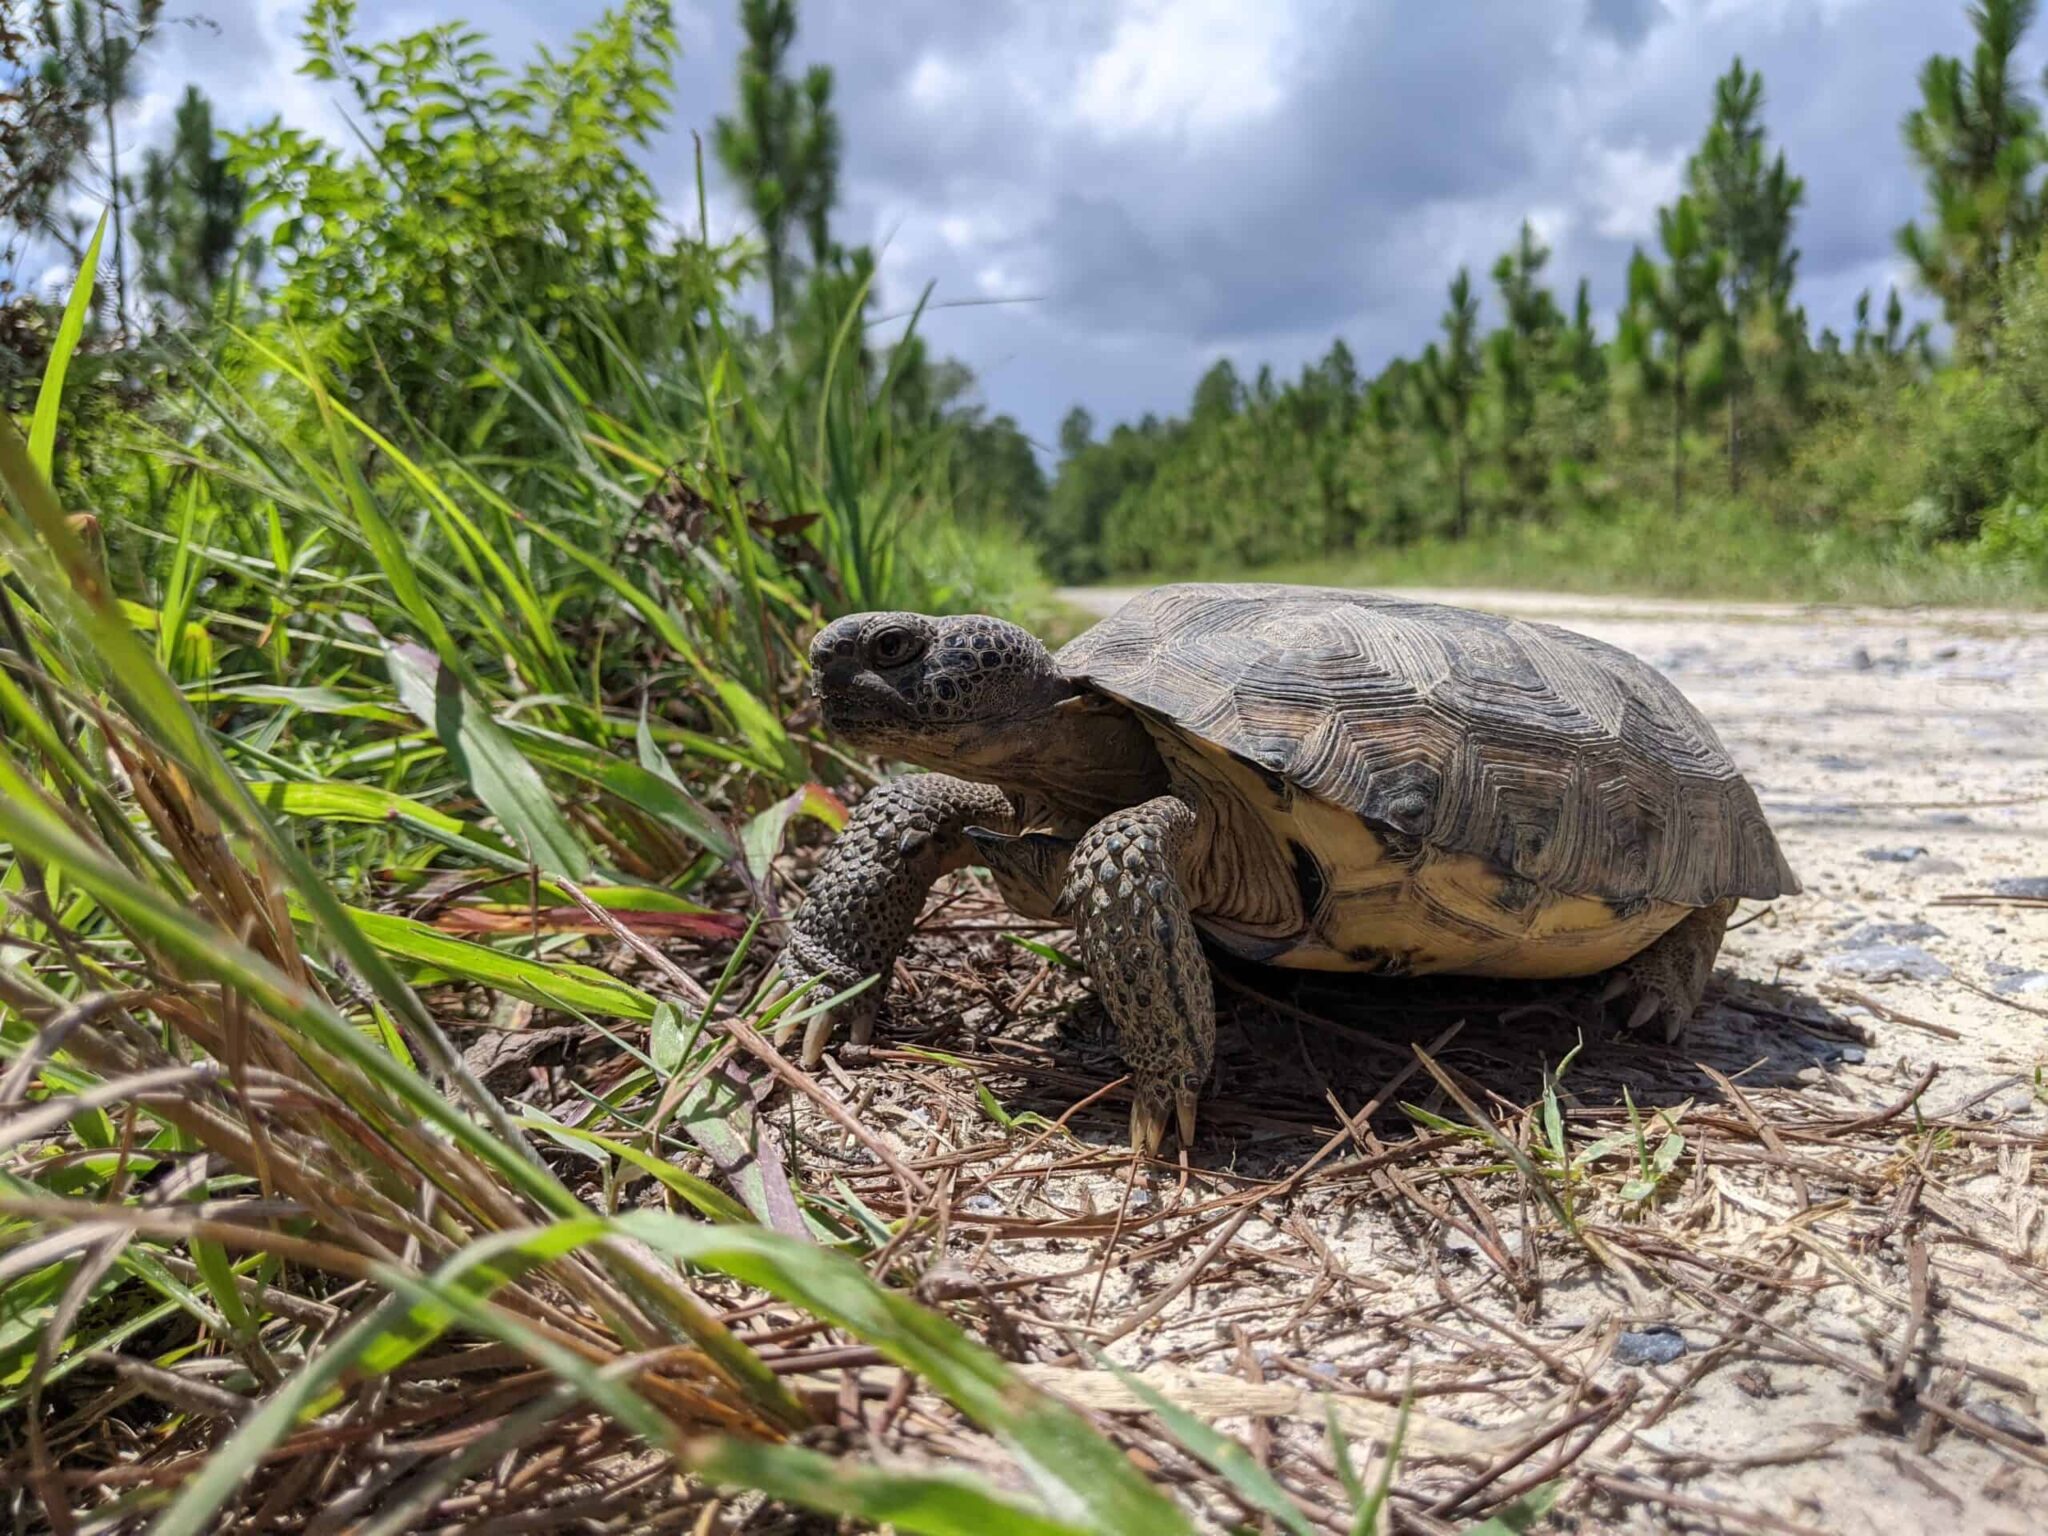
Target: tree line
1711 383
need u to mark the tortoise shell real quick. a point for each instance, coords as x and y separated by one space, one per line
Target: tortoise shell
1405 786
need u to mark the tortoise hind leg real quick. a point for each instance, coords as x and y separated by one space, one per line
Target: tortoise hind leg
1663 984
1138 940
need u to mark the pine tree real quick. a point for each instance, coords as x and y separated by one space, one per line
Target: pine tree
1220 393
68 75
1979 145
1519 355
1323 407
817 153
1672 309
1450 379
188 214
1580 360
1077 432
1746 208
1895 345
782 147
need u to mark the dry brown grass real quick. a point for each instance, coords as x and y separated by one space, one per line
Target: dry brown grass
1848 1270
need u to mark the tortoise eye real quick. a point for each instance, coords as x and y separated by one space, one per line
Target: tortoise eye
895 645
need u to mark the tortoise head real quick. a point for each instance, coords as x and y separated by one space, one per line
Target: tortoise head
957 694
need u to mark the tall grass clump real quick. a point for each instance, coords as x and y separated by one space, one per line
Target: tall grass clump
306 716
448 640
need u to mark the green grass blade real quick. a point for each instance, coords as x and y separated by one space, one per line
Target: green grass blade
419 1300
1518 1518
1252 1481
371 806
29 824
707 1198
921 1504
659 795
554 984
1366 1518
763 835
1081 1476
42 430
70 585
484 753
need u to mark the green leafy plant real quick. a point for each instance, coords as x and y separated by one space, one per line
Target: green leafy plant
238 1020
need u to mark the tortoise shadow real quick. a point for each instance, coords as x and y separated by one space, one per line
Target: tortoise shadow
1291 1046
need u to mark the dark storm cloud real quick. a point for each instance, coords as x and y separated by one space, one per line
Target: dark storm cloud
1628 22
1166 181
1194 218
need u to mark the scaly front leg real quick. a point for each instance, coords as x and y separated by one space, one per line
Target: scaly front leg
1138 940
871 886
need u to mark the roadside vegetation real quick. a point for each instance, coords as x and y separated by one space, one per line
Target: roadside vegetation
404 568
1709 439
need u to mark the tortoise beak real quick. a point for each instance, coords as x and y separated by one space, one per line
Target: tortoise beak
835 655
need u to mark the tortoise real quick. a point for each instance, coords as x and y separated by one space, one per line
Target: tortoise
1306 777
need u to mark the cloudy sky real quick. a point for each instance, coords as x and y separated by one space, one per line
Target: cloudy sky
1158 183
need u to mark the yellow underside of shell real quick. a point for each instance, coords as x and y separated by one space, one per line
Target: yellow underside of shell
1432 913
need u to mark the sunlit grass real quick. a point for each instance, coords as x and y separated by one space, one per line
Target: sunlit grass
1719 551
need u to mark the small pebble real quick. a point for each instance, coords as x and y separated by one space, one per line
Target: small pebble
1659 1344
982 1205
2022 885
2006 1420
1901 855
1892 933
1886 962
1852 1054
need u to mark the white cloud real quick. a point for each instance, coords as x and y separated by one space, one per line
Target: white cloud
1628 183
936 82
1551 221
1186 68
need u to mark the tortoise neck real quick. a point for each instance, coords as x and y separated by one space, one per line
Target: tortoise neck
1087 756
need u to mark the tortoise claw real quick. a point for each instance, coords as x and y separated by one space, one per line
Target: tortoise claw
1645 1002
1148 1128
1149 1122
1646 1008
817 1035
863 1032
